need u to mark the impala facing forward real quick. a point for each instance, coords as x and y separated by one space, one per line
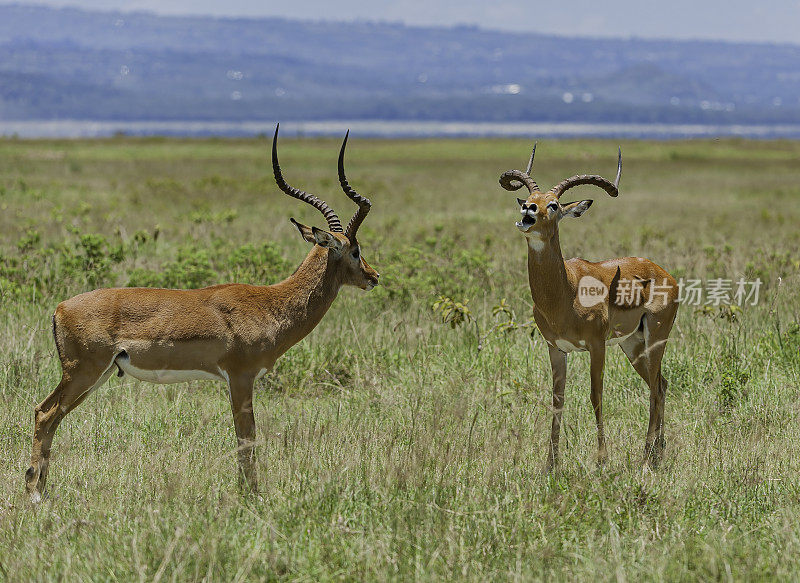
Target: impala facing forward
571 321
232 332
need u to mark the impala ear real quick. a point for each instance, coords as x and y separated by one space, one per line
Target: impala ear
576 209
318 236
305 231
326 239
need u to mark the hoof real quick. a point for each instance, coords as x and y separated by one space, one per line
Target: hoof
32 477
651 461
653 452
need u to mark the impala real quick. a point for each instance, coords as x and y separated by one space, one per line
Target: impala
578 305
232 332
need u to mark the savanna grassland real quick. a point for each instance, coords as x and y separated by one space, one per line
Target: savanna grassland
390 446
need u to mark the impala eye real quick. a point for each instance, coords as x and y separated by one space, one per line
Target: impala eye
553 206
356 254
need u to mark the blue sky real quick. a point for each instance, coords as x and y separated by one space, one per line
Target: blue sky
769 21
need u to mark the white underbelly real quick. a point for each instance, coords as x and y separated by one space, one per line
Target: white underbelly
165 376
567 346
618 339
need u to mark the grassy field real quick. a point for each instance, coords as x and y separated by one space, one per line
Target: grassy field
390 447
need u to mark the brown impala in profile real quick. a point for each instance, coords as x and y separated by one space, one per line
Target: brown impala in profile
232 332
577 304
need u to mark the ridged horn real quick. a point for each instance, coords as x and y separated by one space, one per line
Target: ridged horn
363 203
510 177
612 188
334 225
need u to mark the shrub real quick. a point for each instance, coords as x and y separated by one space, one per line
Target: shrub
263 264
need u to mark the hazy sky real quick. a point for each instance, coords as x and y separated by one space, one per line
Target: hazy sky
745 20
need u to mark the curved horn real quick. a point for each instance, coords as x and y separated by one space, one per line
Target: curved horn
530 162
611 188
363 203
508 178
333 221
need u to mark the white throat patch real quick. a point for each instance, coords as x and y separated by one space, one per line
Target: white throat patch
536 243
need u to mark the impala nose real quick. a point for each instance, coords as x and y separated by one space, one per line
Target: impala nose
372 281
528 217
528 212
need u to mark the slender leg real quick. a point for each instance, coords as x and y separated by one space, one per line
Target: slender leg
597 353
654 427
76 384
634 349
241 388
558 363
645 353
661 442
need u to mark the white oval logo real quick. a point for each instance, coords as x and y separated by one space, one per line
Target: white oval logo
591 291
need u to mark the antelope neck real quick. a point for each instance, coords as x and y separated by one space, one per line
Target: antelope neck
306 295
547 276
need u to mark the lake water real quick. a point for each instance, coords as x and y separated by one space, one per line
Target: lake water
389 129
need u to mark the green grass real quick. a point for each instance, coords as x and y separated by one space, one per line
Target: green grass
390 447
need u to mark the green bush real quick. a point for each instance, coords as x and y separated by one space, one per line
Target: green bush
258 264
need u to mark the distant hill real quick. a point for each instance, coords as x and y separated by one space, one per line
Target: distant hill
75 64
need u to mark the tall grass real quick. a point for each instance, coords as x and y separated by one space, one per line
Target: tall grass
391 447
